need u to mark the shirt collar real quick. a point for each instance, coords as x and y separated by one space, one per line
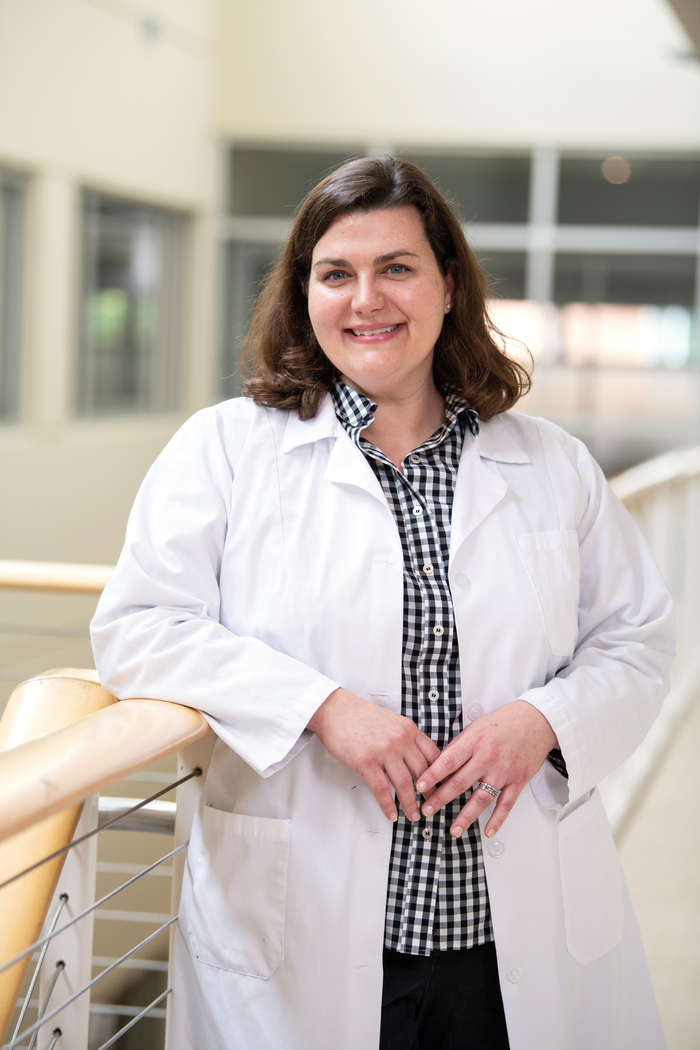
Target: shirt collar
355 411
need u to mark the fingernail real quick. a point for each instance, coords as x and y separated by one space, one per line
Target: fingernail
428 811
422 785
393 816
457 831
491 833
416 816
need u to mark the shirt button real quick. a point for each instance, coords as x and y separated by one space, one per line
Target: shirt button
417 511
427 833
496 848
515 974
428 569
414 458
438 629
433 695
475 711
461 580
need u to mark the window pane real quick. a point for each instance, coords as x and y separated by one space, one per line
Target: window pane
626 310
655 193
659 279
11 251
273 182
132 306
247 265
487 189
505 273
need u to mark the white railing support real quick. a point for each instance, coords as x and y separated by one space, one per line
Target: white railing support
187 799
74 947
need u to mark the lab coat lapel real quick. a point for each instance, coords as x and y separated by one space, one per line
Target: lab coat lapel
346 464
479 489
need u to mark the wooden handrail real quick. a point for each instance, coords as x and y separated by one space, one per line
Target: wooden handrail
87 755
36 709
63 738
54 576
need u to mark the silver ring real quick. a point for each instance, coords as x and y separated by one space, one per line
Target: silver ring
487 787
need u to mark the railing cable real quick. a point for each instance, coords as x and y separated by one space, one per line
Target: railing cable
102 827
57 1033
134 1020
40 943
60 966
54 1013
35 976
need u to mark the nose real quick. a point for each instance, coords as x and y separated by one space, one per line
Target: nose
367 295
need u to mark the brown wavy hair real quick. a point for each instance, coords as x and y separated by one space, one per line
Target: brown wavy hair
284 364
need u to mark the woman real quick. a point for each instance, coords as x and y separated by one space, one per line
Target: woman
383 589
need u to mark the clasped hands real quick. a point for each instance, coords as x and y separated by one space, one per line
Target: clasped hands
504 749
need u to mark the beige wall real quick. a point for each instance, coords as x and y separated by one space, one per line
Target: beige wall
94 93
599 74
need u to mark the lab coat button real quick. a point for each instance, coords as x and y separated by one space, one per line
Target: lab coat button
515 974
496 848
428 570
461 580
417 510
433 695
474 711
438 629
414 458
427 833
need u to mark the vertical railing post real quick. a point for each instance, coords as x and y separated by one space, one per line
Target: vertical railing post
187 798
74 947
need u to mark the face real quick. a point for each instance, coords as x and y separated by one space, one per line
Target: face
377 301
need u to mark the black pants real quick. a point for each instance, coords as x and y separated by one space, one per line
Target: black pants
443 1001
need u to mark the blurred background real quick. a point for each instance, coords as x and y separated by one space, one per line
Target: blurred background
151 155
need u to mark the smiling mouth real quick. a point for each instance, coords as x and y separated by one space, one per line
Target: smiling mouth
374 331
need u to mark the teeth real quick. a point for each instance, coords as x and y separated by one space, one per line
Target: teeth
374 331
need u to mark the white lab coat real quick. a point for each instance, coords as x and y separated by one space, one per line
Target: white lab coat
262 568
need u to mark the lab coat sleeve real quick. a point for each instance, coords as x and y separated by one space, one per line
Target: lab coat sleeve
602 704
156 632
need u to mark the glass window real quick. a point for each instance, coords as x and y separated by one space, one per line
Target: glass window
505 273
486 189
247 265
624 191
11 267
665 280
626 310
133 316
274 182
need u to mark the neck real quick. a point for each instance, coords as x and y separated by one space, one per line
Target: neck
404 420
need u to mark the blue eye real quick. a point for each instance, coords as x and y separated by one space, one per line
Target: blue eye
397 268
336 275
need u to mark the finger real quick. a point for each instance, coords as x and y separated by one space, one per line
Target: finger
380 788
456 754
505 803
400 777
429 750
479 801
450 789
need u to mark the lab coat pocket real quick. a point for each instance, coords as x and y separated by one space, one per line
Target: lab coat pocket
591 882
238 889
552 563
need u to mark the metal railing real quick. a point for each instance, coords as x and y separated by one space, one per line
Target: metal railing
64 725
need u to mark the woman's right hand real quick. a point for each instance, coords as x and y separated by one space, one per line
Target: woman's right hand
387 749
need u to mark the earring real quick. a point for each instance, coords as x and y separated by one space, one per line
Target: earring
448 307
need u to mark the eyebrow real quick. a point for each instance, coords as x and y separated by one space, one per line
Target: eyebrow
389 257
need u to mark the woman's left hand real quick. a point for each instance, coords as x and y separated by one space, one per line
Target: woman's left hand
503 749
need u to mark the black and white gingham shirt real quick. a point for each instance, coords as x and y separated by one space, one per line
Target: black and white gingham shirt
437 897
